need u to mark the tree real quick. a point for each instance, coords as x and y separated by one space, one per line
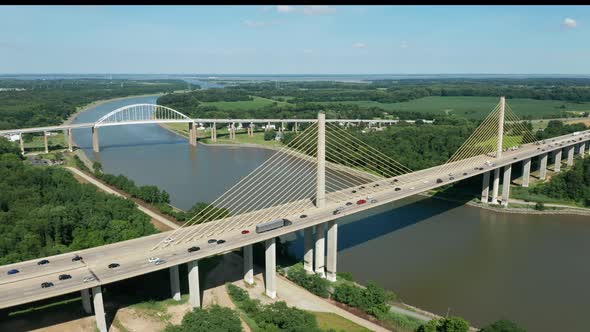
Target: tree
448 324
540 206
213 319
503 325
97 166
270 135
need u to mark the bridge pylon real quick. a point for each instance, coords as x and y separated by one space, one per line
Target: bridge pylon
320 200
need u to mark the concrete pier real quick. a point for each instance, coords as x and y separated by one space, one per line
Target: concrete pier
543 166
22 144
296 128
192 133
193 284
86 304
526 172
101 322
506 184
557 156
95 146
496 186
45 142
248 265
70 140
213 133
570 155
308 249
582 149
320 245
332 254
175 283
270 277
485 187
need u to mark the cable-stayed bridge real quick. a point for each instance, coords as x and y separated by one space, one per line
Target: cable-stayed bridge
324 173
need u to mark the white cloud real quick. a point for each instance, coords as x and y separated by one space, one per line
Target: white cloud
359 45
257 24
569 23
285 9
404 44
318 10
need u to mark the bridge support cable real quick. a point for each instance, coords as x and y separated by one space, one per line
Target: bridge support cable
234 195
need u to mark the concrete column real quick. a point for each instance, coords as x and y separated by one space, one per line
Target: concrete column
296 128
192 133
557 155
248 265
101 322
526 172
320 200
485 187
213 133
570 155
22 144
45 142
308 249
320 244
496 186
332 254
506 184
95 146
543 166
582 149
70 141
270 281
193 284
175 283
86 304
501 127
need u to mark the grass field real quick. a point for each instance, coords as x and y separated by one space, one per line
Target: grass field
328 320
38 144
476 107
257 102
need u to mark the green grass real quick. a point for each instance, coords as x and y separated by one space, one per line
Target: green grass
256 102
476 107
159 309
329 320
38 144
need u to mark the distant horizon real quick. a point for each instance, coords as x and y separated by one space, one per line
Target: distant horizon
293 74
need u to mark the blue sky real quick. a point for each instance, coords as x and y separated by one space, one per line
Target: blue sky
295 39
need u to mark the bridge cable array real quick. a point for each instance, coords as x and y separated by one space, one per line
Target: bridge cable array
285 184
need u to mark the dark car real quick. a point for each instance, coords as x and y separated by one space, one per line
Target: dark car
65 277
303 216
354 191
376 185
395 180
113 265
245 231
211 241
362 187
13 271
348 203
336 212
220 241
193 249
481 168
465 173
76 258
451 178
439 181
398 189
46 285
43 262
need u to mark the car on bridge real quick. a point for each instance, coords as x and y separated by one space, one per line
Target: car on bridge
303 216
220 241
76 258
211 241
43 262
245 231
13 271
273 224
439 180
64 277
348 203
168 240
361 201
398 189
338 210
159 261
354 191
193 249
89 279
46 285
114 265
153 259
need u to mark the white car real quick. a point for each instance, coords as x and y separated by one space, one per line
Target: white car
168 240
425 181
159 261
89 278
153 259
412 188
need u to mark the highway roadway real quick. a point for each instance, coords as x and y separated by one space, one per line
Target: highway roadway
132 255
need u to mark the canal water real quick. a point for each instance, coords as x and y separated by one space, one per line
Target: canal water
441 256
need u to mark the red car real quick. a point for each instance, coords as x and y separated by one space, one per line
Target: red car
361 201
245 231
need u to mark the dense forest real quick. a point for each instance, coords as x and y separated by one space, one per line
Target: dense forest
572 184
45 211
30 103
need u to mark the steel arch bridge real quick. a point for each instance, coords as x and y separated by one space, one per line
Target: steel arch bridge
142 114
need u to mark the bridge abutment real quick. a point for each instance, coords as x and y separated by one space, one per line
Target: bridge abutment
248 265
99 314
506 184
270 277
95 146
175 283
543 166
332 256
485 187
526 172
193 284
